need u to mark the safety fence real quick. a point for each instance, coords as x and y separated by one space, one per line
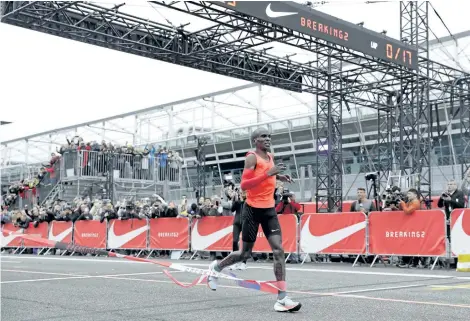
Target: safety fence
310 207
94 164
424 233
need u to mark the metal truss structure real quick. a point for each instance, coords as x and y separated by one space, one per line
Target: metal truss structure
237 45
200 187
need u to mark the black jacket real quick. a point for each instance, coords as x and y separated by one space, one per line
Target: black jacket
457 201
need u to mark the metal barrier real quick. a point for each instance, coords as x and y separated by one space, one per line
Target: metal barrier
124 167
422 234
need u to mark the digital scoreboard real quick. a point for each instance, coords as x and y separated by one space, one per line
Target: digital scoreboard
317 24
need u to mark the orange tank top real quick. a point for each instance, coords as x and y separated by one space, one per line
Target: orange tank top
262 196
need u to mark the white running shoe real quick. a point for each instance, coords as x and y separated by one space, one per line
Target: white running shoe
212 280
235 266
287 305
241 266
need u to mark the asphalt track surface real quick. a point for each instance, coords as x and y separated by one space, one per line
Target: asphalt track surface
89 288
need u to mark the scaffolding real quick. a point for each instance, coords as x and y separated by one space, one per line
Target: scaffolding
401 94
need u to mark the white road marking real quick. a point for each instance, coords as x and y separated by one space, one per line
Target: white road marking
257 266
340 294
3 261
385 288
69 276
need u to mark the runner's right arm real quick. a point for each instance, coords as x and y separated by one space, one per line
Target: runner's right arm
249 180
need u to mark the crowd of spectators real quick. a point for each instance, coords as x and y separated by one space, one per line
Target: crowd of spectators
132 162
229 202
129 161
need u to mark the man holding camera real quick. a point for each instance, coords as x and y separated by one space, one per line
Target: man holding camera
411 205
288 205
451 199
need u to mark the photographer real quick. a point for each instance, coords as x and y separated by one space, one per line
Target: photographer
451 199
412 202
288 205
20 219
363 204
409 207
107 211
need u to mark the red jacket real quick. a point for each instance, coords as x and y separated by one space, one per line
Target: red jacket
290 208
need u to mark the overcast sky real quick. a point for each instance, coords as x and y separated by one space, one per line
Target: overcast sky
49 82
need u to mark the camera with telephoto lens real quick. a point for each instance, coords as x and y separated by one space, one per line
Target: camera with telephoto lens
393 195
285 196
445 194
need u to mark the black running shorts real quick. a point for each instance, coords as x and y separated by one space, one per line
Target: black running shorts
252 217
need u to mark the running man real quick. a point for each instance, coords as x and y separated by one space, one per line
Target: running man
259 181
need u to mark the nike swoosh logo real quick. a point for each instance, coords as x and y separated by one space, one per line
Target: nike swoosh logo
116 241
9 238
312 244
200 242
60 237
277 14
460 239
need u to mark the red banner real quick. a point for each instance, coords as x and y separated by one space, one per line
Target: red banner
333 233
460 231
41 231
169 233
310 207
288 223
10 240
61 231
422 233
212 233
127 234
90 233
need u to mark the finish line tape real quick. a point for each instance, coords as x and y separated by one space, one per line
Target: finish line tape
263 286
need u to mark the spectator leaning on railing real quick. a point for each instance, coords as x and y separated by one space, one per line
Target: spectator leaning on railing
362 204
412 204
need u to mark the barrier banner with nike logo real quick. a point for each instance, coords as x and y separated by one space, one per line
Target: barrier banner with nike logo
212 233
127 234
169 233
10 240
288 223
60 231
90 234
422 233
460 232
333 233
41 231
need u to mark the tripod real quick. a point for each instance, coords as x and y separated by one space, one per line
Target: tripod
373 190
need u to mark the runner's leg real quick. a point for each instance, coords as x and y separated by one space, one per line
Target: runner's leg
237 229
249 233
272 230
250 226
